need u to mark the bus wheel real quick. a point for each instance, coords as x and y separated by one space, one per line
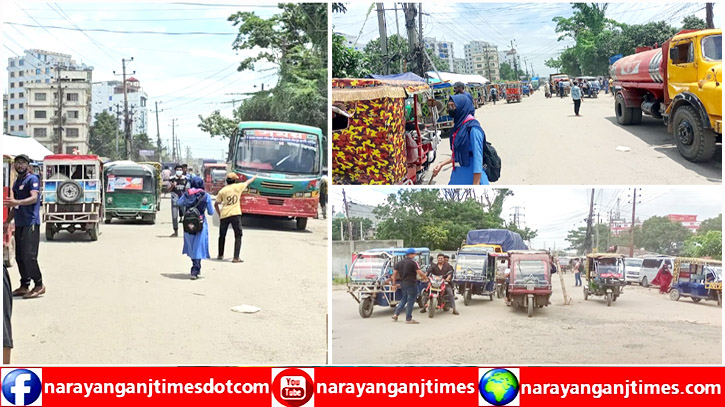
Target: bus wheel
301 223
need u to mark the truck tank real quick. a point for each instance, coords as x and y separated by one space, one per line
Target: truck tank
646 66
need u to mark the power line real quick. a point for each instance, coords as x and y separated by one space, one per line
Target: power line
45 27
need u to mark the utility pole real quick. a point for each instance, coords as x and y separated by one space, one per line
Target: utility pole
397 30
158 133
709 17
596 232
631 233
383 38
347 215
588 237
59 115
410 13
118 124
421 47
609 231
173 141
127 123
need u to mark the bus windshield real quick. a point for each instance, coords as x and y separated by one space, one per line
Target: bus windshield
278 151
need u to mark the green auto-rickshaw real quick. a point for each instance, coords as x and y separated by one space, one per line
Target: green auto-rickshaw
132 191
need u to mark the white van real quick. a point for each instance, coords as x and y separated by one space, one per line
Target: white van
632 266
650 266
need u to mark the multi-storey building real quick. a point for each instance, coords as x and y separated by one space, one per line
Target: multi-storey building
60 120
108 96
482 59
5 114
442 49
688 221
459 65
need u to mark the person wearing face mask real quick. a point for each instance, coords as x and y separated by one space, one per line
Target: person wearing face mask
231 213
26 212
467 140
179 185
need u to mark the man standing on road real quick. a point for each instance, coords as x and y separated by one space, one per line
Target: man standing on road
460 89
323 196
179 184
407 271
611 86
576 94
577 273
26 201
561 89
443 269
231 213
493 94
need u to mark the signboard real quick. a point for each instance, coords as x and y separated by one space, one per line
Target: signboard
147 153
124 183
614 58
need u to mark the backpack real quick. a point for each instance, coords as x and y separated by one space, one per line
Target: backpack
491 162
193 222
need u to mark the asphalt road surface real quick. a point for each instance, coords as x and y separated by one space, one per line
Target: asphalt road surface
540 141
641 327
128 299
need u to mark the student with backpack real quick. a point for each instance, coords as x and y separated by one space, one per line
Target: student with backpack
196 203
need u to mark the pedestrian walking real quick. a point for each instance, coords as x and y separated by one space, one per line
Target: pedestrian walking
561 89
26 213
196 228
323 196
467 140
611 86
7 317
230 197
576 95
179 183
577 273
406 271
460 89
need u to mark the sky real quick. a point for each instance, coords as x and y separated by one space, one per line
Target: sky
187 74
528 25
554 210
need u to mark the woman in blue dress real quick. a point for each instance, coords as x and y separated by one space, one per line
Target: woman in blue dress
467 140
196 246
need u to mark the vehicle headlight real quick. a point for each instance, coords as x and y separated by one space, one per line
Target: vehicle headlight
530 286
436 284
109 200
308 195
298 194
252 191
145 201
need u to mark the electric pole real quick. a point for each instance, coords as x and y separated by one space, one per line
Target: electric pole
516 66
59 115
347 215
397 30
173 141
158 133
383 38
127 123
118 124
631 233
709 17
588 237
421 47
410 13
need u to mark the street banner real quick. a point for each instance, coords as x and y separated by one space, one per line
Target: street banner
615 58
363 386
146 153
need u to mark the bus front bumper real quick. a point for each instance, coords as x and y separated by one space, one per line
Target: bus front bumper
266 205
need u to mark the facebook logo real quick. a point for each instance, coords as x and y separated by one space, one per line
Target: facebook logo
22 387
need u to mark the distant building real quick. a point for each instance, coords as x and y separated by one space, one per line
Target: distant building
5 114
360 211
442 49
688 221
459 65
482 58
622 226
108 96
352 43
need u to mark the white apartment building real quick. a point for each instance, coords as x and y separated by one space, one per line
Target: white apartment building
35 66
108 96
482 59
459 66
443 49
42 111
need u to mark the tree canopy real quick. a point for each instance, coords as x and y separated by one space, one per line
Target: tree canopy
704 245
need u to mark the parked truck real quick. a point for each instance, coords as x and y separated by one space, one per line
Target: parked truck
680 83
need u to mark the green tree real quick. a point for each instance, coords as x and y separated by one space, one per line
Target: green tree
577 238
397 53
102 137
712 224
295 40
693 23
347 62
508 74
704 245
659 234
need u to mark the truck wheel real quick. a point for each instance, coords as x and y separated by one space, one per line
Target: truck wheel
694 142
623 113
301 223
49 232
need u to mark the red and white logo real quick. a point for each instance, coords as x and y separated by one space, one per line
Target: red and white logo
293 387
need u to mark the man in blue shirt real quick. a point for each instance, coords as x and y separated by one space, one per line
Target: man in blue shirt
460 89
26 212
576 94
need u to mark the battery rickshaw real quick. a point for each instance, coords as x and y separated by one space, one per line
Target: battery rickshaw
475 272
697 279
604 274
529 282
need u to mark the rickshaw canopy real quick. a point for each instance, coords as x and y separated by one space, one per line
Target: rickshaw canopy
348 90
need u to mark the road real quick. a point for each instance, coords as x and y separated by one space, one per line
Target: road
540 141
128 299
641 327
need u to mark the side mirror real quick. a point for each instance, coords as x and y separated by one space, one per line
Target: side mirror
674 54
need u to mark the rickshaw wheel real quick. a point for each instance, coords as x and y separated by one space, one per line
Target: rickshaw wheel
108 220
586 294
675 294
530 308
366 307
432 305
609 299
467 297
93 232
49 232
695 299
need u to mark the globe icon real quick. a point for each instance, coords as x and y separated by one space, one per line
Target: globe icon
499 387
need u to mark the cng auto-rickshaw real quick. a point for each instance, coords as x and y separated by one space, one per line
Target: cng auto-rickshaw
369 281
604 274
698 279
475 272
157 166
72 194
9 176
132 191
214 177
529 282
390 136
513 92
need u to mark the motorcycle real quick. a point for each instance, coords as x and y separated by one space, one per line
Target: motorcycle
435 295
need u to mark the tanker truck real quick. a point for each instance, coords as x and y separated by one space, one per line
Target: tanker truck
680 83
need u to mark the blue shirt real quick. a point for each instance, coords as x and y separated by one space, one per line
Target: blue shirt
464 175
576 92
27 215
